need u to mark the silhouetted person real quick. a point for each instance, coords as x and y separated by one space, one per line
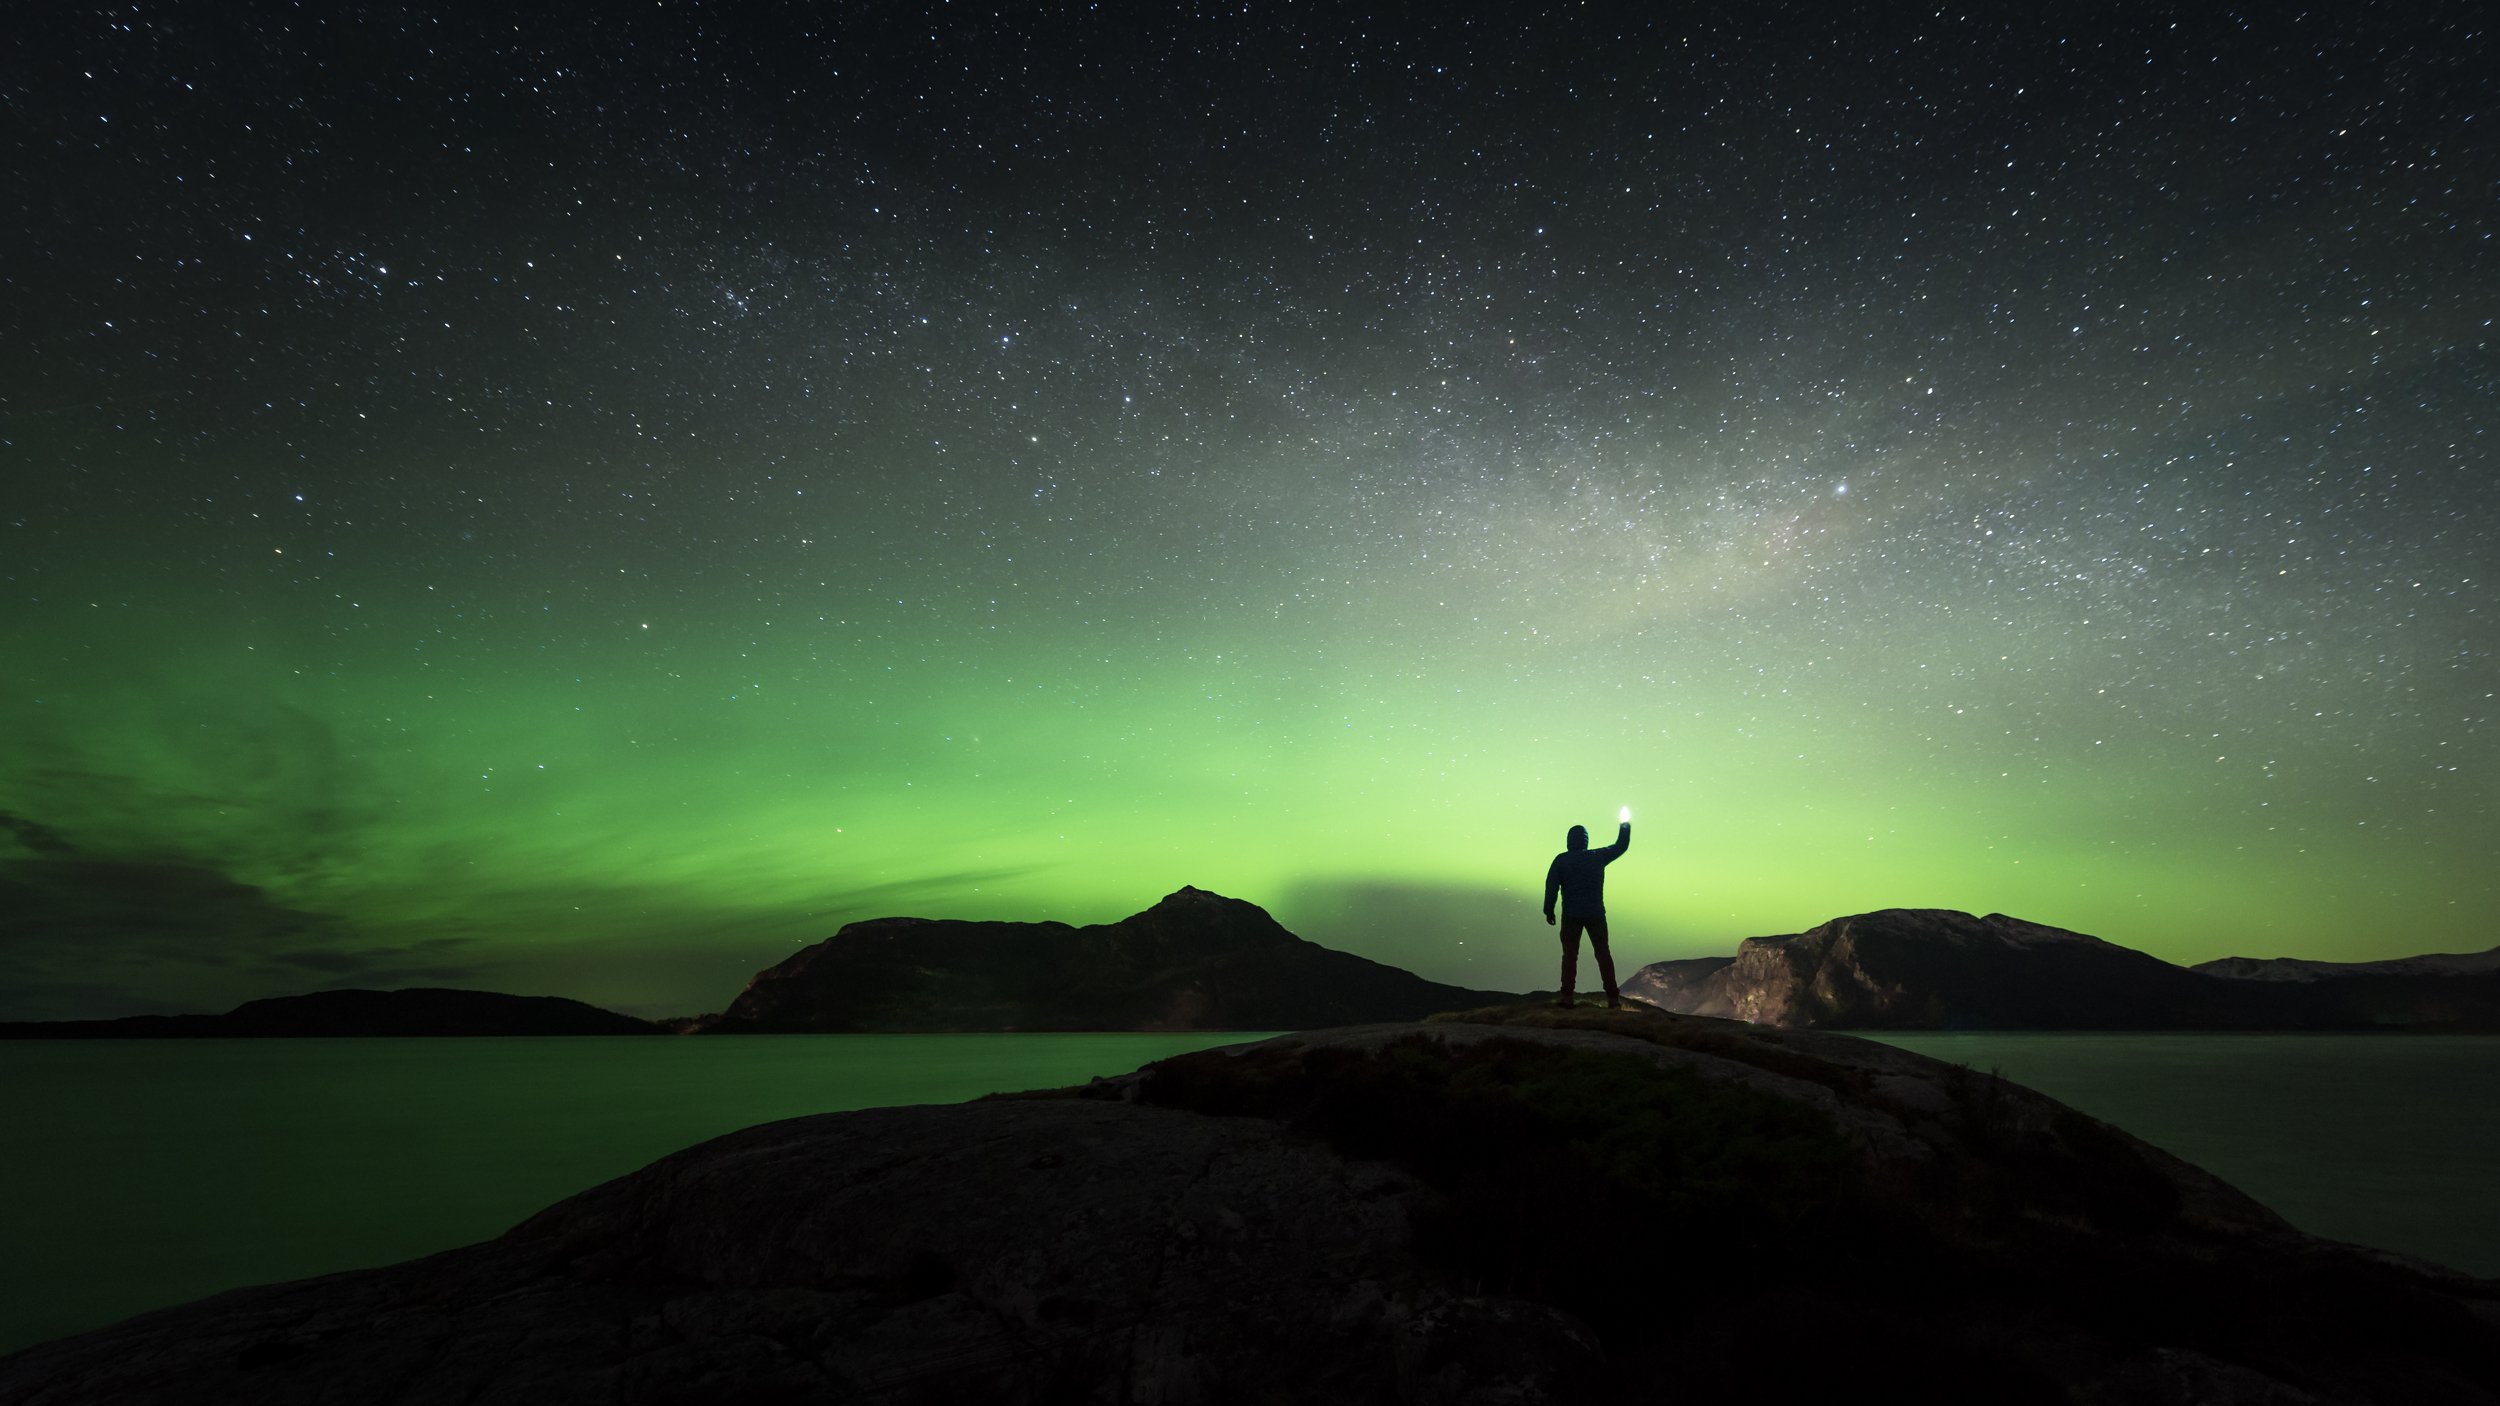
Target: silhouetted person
1579 875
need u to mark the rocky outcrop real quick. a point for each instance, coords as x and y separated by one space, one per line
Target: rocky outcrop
1194 961
2302 969
1689 985
418 1010
1934 969
1516 1205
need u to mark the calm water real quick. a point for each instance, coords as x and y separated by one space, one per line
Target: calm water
2387 1140
143 1173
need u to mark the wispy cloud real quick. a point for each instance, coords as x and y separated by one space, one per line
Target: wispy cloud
82 935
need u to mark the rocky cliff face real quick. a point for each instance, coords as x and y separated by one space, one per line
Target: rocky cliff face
1689 985
1929 969
417 1010
1194 961
1517 1205
1934 969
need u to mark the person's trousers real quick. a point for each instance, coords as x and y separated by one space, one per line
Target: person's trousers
1596 928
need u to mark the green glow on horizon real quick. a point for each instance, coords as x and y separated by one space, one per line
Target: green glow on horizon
648 813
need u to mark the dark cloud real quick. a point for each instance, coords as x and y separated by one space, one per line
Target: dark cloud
124 896
167 773
120 892
87 936
35 838
429 960
65 906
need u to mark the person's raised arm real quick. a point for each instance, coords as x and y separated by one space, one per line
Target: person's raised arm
1553 881
1623 841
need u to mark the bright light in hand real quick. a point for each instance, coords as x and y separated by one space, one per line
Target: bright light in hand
1626 817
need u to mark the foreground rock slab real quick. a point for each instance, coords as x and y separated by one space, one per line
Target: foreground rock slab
1512 1205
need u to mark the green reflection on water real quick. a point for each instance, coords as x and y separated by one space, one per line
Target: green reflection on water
151 1172
2385 1140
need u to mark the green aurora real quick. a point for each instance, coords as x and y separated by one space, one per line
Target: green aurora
554 777
595 541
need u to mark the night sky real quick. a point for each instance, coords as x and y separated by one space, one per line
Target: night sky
585 499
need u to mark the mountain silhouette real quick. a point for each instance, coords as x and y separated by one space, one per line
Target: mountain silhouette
418 1010
1194 961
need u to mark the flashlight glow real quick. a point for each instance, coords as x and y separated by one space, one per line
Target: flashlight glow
1626 817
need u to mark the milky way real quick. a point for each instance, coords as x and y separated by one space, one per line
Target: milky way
579 501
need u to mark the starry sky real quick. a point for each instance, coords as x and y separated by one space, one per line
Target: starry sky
588 499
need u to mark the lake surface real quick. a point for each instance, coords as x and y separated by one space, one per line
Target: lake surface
2386 1140
143 1172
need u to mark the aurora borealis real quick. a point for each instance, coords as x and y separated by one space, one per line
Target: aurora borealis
581 501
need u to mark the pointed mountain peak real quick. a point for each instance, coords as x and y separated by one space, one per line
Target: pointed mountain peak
1191 896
